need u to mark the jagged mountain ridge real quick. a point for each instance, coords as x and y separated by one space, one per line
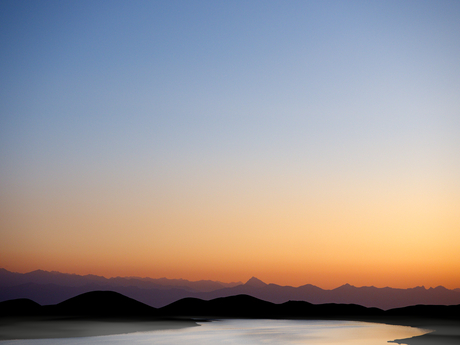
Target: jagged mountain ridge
383 298
8 278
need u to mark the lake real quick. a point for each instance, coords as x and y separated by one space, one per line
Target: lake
244 332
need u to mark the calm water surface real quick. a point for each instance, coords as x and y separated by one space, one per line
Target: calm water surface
252 332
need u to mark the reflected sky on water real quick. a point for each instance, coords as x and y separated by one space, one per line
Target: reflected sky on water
253 332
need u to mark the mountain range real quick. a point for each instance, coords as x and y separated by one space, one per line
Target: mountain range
54 287
8 278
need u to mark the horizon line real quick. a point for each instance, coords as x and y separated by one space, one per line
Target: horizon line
233 282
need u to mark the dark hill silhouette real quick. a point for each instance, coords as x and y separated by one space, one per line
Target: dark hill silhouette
241 306
244 306
105 304
109 304
19 307
328 311
94 304
451 312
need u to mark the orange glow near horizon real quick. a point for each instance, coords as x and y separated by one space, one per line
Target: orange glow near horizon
286 240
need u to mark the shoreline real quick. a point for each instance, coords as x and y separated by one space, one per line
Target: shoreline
443 332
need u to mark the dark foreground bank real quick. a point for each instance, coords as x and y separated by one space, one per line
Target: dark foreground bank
106 312
35 328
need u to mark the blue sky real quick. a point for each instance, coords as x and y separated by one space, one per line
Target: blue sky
224 105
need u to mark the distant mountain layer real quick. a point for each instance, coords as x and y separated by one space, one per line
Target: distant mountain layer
53 287
8 278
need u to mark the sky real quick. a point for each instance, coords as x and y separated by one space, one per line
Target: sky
301 142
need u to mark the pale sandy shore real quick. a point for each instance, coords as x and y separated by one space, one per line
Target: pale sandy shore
441 336
45 328
442 333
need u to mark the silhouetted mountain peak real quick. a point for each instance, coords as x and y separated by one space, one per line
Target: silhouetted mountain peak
439 288
419 288
254 282
345 286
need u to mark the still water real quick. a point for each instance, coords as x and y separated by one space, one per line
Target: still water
245 332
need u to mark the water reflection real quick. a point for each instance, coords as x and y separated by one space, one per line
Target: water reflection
249 332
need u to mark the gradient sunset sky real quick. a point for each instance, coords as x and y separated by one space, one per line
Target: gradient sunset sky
296 141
